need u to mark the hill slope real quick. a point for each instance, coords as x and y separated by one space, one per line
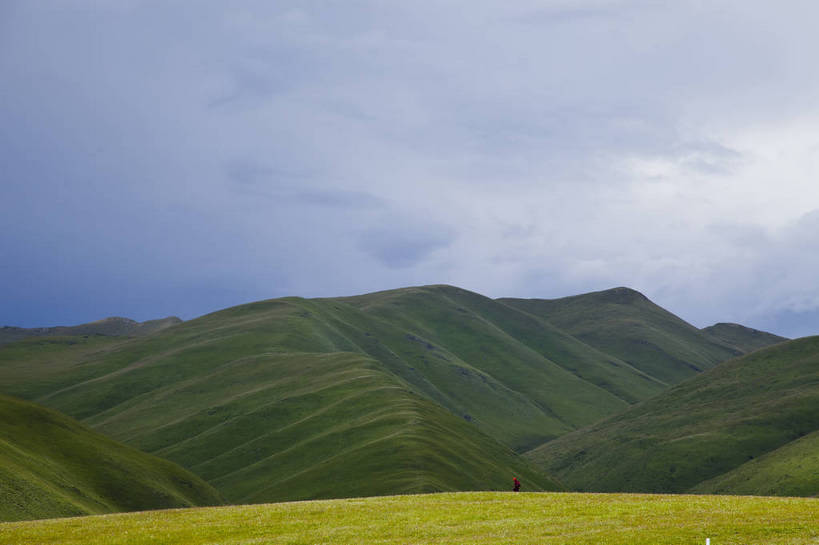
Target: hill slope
296 398
568 383
626 324
242 398
51 465
700 429
742 338
510 374
790 470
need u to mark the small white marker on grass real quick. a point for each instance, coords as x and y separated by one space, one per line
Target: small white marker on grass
707 541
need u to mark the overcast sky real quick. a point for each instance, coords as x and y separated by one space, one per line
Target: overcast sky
175 158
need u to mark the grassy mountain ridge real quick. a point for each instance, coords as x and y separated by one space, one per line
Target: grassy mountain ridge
51 465
626 324
296 398
698 430
446 350
113 326
237 397
462 309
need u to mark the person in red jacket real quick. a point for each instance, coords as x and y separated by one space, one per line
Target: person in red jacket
515 484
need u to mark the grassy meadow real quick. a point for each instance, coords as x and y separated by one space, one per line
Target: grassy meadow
451 518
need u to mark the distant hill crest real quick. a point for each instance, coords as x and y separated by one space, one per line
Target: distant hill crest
115 326
620 295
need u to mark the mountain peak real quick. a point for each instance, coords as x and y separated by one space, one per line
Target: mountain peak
620 295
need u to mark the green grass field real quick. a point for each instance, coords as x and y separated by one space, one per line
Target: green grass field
451 518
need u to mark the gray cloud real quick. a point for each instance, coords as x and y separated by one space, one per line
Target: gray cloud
399 243
160 158
293 188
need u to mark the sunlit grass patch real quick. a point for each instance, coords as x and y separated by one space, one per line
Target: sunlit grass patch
451 518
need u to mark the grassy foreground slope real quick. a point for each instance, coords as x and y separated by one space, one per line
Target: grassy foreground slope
700 429
51 465
626 324
461 518
791 470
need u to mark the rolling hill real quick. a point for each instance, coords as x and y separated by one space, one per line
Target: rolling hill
297 398
51 465
737 426
247 399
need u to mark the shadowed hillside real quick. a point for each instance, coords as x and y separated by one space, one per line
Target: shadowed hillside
704 428
51 466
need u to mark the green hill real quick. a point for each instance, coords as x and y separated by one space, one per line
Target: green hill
745 339
114 326
510 374
478 357
790 470
626 324
51 466
703 428
473 518
310 398
282 400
